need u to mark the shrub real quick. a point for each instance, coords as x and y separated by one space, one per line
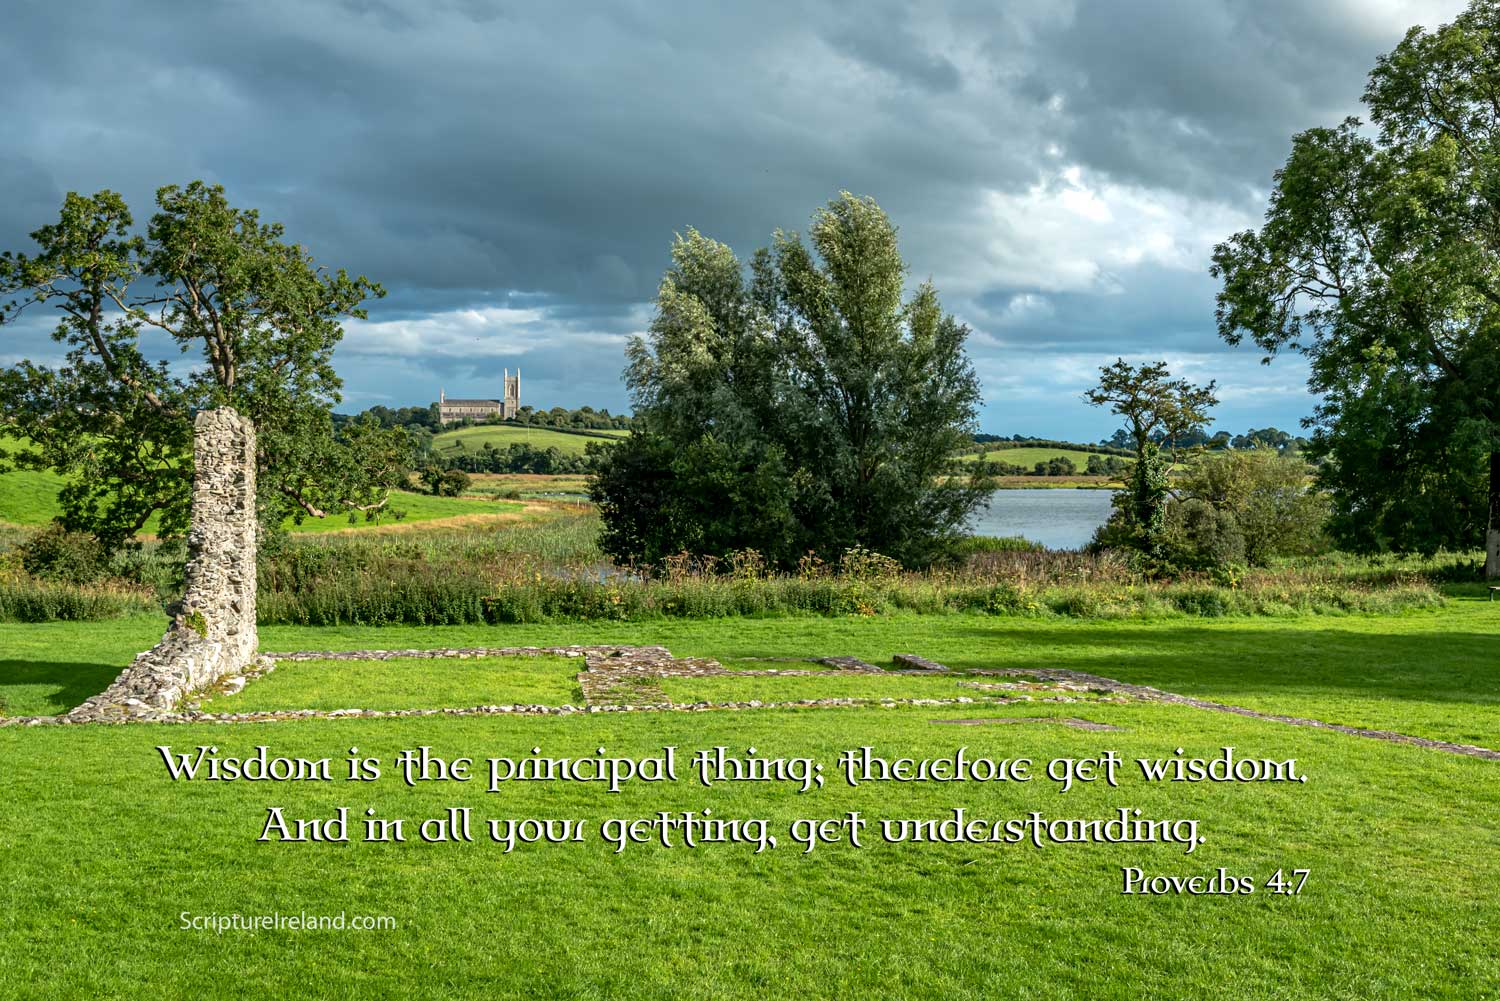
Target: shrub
453 482
1200 536
1268 496
58 554
974 544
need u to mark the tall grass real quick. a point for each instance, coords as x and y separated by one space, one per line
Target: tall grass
25 599
551 570
1007 582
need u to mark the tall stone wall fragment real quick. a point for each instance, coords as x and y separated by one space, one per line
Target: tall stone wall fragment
212 635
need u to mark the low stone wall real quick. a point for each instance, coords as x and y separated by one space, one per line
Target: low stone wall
212 635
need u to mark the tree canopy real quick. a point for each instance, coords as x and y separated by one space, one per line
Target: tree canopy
213 281
1379 259
800 405
1156 408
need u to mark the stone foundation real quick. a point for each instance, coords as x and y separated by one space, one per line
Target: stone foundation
212 635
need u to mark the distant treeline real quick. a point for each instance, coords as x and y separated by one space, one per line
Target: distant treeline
561 418
422 426
517 457
994 443
1120 443
1098 465
1251 439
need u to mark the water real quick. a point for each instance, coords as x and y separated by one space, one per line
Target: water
1058 519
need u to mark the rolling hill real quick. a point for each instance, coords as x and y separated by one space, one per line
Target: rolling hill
30 498
502 436
1029 457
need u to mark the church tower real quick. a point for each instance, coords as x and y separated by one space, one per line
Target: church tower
510 402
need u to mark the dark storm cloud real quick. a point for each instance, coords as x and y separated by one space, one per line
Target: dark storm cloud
1205 96
514 173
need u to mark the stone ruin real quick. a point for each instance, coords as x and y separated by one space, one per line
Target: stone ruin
212 635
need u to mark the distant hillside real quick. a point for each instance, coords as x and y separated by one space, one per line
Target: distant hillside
30 498
1030 455
502 436
991 443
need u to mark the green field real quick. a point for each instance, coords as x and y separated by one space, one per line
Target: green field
414 683
103 854
1029 457
415 507
502 436
30 498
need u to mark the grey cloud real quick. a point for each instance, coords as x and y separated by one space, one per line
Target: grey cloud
477 155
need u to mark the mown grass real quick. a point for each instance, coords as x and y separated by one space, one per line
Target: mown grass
502 436
101 855
1431 673
827 685
409 683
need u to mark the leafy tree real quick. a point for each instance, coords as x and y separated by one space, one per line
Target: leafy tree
453 483
1152 403
1058 465
1380 260
802 407
1267 497
209 279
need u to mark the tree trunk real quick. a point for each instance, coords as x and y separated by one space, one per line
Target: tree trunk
1492 534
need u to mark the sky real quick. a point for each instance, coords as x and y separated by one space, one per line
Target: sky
514 173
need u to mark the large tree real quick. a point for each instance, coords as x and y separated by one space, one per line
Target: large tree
807 406
1156 407
1380 260
261 318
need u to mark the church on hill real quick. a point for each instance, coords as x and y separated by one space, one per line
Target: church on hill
452 411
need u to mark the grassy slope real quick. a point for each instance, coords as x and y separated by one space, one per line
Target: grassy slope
526 484
1029 457
418 507
502 436
28 498
409 684
100 854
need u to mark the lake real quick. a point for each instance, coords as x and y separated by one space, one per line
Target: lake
1058 519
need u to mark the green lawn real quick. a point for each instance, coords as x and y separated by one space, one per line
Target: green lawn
827 685
412 683
1432 674
502 436
100 854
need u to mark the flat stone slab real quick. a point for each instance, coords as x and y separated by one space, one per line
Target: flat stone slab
1077 724
848 664
917 663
